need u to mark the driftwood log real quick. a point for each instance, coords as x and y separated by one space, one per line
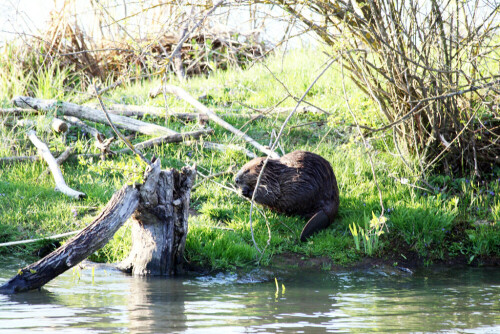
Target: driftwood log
71 109
160 209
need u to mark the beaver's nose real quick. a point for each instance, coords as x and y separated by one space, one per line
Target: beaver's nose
237 179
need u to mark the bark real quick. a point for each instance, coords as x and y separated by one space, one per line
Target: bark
180 137
54 167
160 225
71 109
89 240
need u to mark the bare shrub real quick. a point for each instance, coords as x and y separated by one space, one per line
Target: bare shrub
431 67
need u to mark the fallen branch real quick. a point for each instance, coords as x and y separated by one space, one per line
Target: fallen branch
142 111
85 128
59 126
177 91
17 111
71 109
176 138
60 159
224 148
56 172
90 239
56 124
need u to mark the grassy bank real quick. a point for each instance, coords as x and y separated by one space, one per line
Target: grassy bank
459 218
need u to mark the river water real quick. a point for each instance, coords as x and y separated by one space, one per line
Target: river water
460 300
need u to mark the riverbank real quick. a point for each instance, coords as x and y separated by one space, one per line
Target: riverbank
445 219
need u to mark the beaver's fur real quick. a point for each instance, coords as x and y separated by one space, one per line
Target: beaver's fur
300 183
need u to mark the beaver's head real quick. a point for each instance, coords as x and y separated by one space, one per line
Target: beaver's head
246 178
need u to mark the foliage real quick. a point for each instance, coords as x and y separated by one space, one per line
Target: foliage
370 234
219 235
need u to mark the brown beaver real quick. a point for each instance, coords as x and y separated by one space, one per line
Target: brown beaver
300 183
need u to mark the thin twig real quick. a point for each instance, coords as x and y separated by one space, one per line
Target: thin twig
367 148
125 140
277 141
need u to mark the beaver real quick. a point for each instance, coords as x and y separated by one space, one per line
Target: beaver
299 183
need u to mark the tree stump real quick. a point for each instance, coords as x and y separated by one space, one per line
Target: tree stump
160 209
160 225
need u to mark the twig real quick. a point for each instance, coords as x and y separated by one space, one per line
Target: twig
52 237
213 176
125 140
366 146
179 137
277 141
224 148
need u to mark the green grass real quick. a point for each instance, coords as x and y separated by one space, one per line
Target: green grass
419 221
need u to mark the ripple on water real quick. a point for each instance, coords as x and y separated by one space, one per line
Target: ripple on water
386 300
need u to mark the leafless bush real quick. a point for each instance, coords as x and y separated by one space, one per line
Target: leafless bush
431 67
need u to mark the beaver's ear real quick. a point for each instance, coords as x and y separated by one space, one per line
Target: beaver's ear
261 163
317 223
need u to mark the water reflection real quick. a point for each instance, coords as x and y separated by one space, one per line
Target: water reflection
156 305
385 300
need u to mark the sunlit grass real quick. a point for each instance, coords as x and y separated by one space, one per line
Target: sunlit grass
219 235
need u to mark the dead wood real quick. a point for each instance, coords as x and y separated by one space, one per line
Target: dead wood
160 224
144 111
78 248
177 91
82 125
59 126
54 168
60 159
56 124
71 109
18 111
176 138
224 148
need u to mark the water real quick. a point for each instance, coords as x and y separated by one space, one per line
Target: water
465 300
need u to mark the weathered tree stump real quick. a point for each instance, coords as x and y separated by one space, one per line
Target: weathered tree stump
160 211
160 225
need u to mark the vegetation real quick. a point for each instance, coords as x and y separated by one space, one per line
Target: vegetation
430 67
446 218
